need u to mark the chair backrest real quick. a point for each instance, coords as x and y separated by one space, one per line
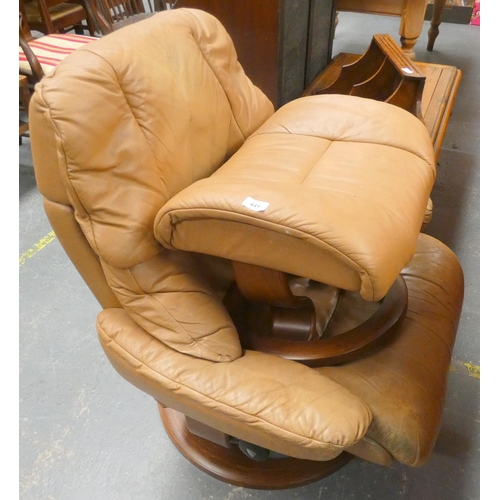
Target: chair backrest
143 115
111 15
54 16
162 4
24 28
25 36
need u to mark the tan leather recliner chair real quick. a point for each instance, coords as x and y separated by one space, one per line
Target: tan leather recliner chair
262 274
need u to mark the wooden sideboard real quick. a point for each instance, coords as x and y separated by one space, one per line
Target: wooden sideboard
282 44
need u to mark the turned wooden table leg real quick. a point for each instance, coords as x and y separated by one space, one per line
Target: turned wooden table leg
412 22
435 22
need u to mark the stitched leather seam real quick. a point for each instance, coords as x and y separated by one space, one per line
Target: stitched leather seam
315 163
66 178
215 75
156 161
263 226
414 153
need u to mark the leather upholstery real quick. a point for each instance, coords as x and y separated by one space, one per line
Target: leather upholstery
166 105
215 97
347 180
404 383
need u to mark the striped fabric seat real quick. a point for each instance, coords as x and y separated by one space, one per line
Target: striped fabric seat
50 50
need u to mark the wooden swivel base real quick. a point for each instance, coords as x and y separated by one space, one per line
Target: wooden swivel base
231 466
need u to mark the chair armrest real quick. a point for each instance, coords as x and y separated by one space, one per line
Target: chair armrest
269 401
167 297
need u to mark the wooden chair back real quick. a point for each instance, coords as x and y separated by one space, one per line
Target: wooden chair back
25 36
24 27
111 15
56 16
164 4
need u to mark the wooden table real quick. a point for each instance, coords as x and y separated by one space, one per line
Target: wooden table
412 13
435 22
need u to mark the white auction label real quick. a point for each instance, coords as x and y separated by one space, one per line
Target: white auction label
255 205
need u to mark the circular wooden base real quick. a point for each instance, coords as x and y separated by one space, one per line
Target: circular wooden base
231 466
344 347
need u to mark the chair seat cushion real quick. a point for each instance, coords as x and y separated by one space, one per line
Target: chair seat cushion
50 50
339 186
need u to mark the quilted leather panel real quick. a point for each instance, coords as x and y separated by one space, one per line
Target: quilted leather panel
133 131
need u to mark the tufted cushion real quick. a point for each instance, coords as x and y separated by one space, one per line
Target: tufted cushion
347 181
50 50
